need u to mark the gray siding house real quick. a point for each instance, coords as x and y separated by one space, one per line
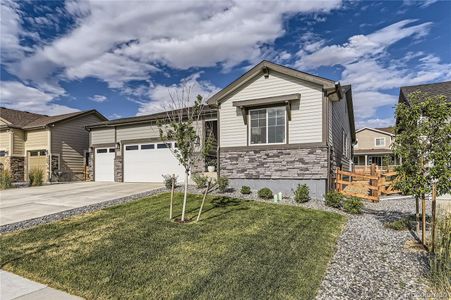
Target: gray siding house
276 127
56 144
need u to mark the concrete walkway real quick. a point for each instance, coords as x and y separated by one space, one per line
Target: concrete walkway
13 286
32 202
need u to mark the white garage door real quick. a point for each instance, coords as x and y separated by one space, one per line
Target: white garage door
104 164
148 162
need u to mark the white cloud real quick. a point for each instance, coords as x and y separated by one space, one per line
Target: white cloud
375 123
360 46
188 88
367 66
10 32
117 42
98 98
16 95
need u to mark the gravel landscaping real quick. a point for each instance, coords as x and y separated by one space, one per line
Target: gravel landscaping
371 262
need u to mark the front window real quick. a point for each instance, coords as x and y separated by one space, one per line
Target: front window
267 126
379 142
3 153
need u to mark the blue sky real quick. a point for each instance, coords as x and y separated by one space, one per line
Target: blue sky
125 58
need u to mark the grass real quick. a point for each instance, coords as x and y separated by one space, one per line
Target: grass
239 250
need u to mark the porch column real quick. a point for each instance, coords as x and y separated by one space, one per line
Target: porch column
366 161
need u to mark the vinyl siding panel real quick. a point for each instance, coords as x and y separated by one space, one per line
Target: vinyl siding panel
5 141
37 140
306 115
70 139
18 142
366 140
340 123
102 136
134 132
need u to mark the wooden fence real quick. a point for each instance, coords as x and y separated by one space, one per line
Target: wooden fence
367 186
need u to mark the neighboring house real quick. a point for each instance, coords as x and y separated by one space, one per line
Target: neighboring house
55 144
276 127
373 145
434 89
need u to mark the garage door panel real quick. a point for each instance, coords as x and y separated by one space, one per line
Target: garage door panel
148 162
104 164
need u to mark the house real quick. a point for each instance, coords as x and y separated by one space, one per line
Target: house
373 146
56 144
276 127
434 89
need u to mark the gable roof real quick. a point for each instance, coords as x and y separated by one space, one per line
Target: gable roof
262 68
27 120
438 88
18 118
386 130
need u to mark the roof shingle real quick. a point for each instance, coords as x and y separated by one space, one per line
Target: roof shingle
438 88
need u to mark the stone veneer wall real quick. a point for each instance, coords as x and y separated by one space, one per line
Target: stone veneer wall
17 168
118 172
300 163
91 166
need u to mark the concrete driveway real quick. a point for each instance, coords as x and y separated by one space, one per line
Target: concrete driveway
26 203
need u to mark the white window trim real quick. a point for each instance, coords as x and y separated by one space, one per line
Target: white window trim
378 138
250 127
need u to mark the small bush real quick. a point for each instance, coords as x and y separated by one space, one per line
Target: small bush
301 194
245 190
265 193
200 180
334 199
223 183
5 179
167 180
401 224
353 205
36 177
440 260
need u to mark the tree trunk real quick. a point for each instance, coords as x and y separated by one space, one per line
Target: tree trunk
185 195
172 196
203 200
423 219
417 214
434 204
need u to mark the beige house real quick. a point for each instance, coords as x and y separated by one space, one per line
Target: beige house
275 126
55 144
373 145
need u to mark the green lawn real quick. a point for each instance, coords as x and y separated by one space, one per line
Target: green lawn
239 250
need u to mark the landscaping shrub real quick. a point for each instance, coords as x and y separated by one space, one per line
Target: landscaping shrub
334 199
400 224
353 205
301 194
440 261
200 180
265 193
5 179
36 177
167 180
245 190
223 183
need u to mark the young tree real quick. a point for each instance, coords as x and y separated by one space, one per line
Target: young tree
423 132
183 125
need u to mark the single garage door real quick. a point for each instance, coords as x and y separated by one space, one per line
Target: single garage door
148 162
104 164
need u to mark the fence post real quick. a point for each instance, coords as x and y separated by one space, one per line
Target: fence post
373 182
337 179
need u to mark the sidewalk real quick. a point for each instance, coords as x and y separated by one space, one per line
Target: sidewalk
13 286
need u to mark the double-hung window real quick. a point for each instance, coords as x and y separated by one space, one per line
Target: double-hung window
267 126
379 142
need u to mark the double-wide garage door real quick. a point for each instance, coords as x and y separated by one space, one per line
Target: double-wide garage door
141 163
148 162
